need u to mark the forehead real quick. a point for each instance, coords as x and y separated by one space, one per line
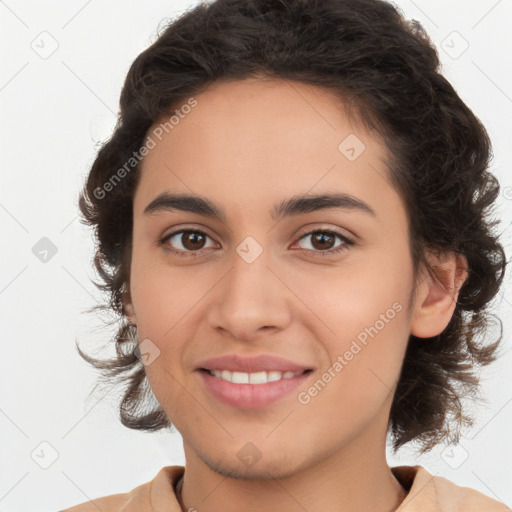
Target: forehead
256 139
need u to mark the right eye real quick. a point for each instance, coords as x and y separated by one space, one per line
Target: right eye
191 241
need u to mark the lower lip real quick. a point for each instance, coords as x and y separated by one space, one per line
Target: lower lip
250 396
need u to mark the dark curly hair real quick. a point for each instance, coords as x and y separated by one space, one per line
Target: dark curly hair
386 70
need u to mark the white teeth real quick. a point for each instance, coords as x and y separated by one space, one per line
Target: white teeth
257 378
253 378
239 377
272 376
226 375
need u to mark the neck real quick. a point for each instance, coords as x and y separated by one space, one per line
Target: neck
357 477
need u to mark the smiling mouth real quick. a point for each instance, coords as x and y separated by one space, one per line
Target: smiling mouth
262 377
251 390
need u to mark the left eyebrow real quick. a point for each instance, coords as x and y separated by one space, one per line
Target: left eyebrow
295 205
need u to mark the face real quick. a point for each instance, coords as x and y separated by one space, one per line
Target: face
324 286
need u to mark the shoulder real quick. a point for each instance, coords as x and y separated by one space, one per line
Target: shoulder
157 494
437 494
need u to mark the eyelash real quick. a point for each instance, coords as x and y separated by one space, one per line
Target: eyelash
190 254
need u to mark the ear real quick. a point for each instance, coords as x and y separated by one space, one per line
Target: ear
128 307
130 313
436 295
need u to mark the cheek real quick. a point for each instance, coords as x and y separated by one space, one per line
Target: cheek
365 362
357 298
161 303
367 324
162 296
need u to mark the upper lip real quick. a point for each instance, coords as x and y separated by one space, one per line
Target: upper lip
261 363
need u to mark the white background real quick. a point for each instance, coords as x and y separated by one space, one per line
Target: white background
54 112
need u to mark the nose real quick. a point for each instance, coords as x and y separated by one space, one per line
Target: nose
251 300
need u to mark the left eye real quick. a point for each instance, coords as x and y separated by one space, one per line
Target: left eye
322 240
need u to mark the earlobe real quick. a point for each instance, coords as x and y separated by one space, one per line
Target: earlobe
437 294
129 311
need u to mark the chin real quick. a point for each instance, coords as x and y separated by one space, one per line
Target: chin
261 470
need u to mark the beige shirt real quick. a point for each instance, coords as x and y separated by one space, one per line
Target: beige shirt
426 493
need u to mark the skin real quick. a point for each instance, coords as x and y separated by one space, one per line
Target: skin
248 145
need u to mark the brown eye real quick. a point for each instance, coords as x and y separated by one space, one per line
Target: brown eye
185 242
192 240
323 242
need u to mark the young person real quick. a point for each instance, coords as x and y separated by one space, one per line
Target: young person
293 224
